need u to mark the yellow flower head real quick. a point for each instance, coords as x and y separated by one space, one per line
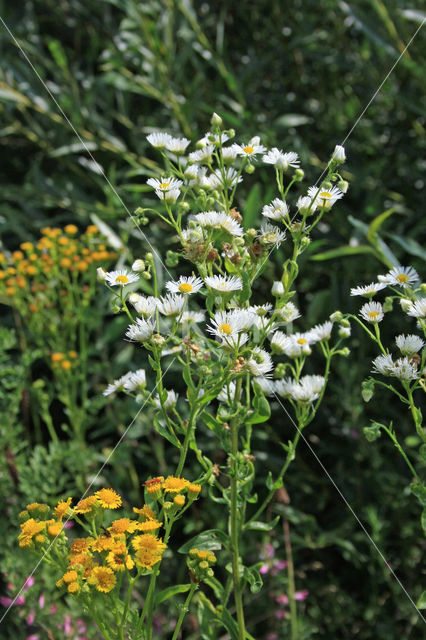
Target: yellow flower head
179 500
54 529
71 229
154 485
146 559
108 498
62 507
145 513
148 525
81 559
123 525
174 485
104 579
80 545
70 576
73 587
29 529
194 488
103 543
148 542
86 505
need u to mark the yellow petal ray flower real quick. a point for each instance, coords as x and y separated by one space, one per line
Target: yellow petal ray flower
175 485
108 498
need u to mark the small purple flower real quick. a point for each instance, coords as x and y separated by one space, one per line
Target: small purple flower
29 582
278 566
67 625
264 569
31 617
282 599
41 601
301 595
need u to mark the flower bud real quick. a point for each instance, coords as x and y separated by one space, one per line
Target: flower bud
423 288
405 304
337 316
299 174
184 206
158 340
339 153
100 274
146 275
216 120
326 185
277 288
139 211
343 186
138 265
231 133
134 298
149 257
249 168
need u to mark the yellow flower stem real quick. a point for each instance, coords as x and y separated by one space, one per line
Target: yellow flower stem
234 520
184 610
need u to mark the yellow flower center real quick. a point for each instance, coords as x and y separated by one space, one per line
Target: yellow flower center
373 314
325 194
185 287
225 328
164 185
402 277
301 341
248 149
122 279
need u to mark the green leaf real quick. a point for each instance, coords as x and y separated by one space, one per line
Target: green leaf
342 252
375 225
292 120
410 245
263 526
423 521
270 482
165 594
421 602
163 431
252 206
254 579
211 540
230 625
262 408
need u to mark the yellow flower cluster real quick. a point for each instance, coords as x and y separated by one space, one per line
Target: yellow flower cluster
159 488
28 275
92 562
199 563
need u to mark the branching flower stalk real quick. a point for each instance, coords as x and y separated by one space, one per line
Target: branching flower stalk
408 367
227 368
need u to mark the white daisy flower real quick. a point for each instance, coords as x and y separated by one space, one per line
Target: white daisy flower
372 312
224 284
409 345
219 220
267 385
344 332
305 204
121 277
383 364
325 197
252 148
321 331
308 389
402 276
201 155
191 171
177 145
165 184
368 290
227 323
100 274
168 196
418 309
259 363
281 160
270 234
228 179
146 306
288 312
159 140
277 210
170 401
141 330
136 381
230 153
185 285
171 305
227 394
235 341
292 346
117 385
404 369
193 316
261 309
284 387
138 265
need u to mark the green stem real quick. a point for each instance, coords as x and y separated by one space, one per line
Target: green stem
291 589
401 450
234 521
127 602
415 413
184 611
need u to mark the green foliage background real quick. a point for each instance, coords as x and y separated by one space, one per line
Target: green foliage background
299 74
